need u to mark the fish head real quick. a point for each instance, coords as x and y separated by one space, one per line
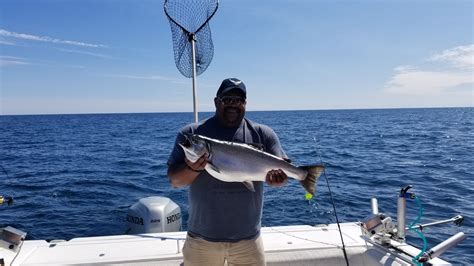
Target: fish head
194 147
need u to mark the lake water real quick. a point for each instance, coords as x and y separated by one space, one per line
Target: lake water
76 175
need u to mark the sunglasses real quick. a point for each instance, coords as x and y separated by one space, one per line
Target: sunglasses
229 100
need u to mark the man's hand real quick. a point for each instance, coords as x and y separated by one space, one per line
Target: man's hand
199 165
276 178
184 173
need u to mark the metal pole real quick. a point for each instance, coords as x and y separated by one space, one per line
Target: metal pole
401 208
374 206
458 219
192 39
401 211
442 247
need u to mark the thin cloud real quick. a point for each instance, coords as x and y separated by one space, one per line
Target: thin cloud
87 53
7 61
11 57
6 42
457 64
12 61
30 37
49 63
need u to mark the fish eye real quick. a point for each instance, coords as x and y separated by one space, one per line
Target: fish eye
186 143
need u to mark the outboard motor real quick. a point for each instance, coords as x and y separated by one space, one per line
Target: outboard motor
153 215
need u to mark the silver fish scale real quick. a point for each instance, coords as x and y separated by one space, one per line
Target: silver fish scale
237 162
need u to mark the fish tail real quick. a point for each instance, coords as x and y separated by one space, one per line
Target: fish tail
309 183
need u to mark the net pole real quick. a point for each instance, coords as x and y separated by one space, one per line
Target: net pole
192 39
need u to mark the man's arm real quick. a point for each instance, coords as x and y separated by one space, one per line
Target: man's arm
184 173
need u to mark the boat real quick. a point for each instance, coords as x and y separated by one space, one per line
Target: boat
154 223
155 239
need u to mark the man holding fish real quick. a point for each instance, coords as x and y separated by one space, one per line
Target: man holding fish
225 159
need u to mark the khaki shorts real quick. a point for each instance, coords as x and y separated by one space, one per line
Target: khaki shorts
198 251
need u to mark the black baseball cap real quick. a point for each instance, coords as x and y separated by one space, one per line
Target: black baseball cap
232 84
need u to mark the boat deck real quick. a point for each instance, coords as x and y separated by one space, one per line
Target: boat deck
284 245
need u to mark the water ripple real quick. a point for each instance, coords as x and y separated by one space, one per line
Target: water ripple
76 175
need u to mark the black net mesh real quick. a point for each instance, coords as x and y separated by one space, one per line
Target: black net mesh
191 17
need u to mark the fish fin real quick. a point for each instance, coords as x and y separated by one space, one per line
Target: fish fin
249 185
309 183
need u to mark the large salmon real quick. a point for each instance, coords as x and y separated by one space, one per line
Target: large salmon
238 162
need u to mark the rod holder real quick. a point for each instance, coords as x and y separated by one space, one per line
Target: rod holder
401 211
374 206
442 247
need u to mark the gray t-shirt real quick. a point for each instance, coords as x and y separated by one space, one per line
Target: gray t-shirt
225 211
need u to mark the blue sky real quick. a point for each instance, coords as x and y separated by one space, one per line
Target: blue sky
116 56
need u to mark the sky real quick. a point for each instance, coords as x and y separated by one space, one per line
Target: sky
116 56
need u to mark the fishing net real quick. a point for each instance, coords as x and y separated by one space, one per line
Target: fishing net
189 20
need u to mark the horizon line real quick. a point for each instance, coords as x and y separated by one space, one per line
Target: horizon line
282 110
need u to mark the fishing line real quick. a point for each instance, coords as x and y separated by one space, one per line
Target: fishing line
318 152
5 171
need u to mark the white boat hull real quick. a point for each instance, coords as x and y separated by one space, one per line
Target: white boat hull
284 245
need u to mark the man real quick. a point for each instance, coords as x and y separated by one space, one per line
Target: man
224 217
